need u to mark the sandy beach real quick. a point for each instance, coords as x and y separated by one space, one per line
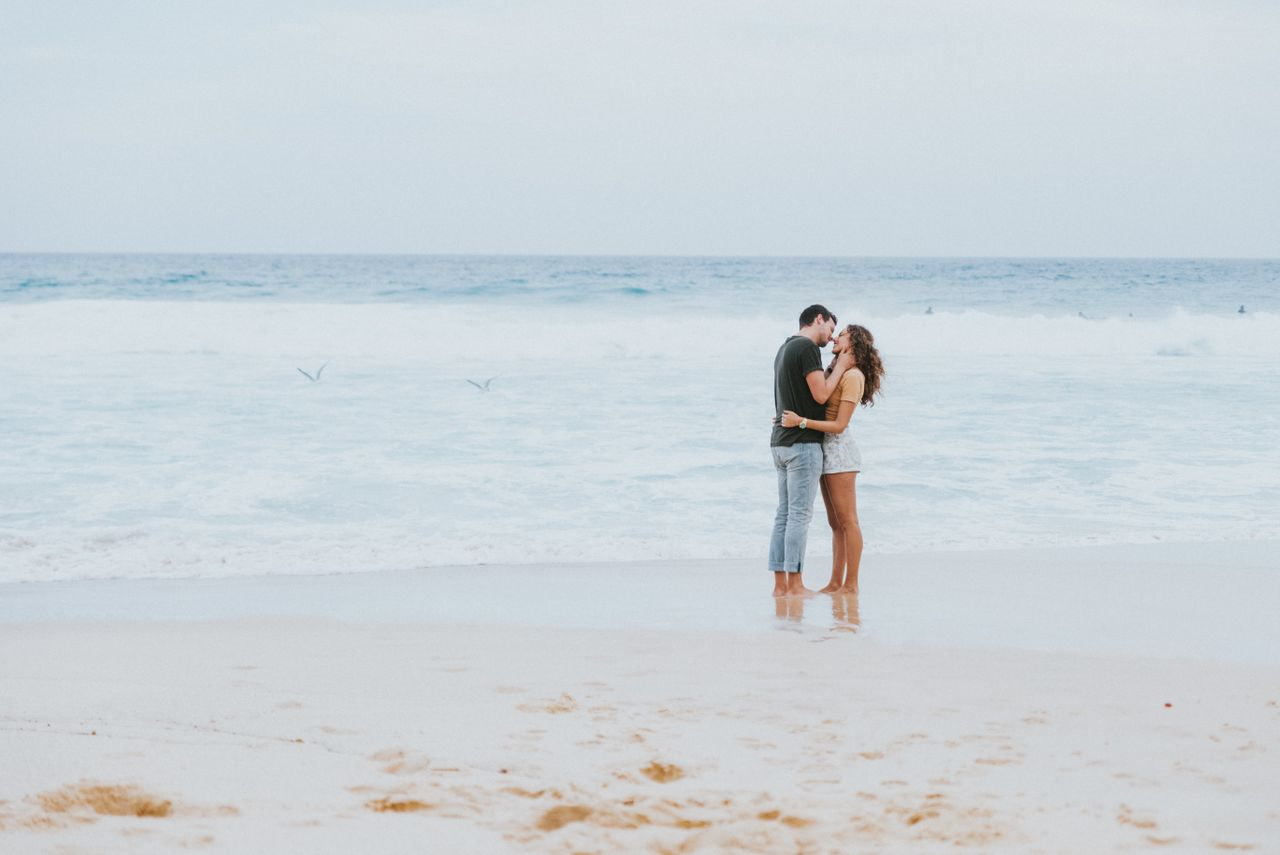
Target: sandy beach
1058 700
403 405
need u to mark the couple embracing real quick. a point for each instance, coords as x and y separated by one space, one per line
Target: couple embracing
813 447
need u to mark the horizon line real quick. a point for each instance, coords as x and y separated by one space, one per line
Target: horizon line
779 257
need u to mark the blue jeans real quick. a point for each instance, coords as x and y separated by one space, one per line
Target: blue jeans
799 468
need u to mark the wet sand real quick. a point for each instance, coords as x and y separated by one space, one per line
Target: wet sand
320 717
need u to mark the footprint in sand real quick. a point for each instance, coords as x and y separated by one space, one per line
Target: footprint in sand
776 815
523 793
562 815
662 772
997 761
563 704
82 803
1125 816
388 804
400 761
105 800
934 817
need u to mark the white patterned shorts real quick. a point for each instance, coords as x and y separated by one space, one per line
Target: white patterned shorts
840 453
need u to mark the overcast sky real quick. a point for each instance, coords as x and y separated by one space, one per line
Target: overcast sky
938 127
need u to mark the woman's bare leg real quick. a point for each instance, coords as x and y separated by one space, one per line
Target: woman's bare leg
844 497
837 541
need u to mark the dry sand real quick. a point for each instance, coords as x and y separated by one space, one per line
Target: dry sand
274 734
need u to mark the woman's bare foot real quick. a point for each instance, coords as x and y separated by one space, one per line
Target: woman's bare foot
847 589
831 587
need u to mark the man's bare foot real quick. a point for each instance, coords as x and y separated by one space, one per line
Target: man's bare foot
796 588
779 583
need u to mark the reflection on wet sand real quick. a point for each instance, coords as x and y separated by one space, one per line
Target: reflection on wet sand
789 609
844 613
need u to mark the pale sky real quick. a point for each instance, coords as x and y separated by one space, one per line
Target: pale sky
1076 128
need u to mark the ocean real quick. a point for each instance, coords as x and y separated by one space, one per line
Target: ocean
155 420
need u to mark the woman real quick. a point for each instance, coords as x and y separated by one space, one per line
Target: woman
841 460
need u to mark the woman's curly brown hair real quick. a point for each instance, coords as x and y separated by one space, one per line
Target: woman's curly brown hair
867 360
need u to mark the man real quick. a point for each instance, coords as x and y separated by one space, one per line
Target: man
799 385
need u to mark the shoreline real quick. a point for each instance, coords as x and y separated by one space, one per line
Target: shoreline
1202 600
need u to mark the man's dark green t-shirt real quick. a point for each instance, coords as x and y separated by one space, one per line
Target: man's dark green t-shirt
796 360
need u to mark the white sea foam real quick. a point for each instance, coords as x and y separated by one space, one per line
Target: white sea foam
462 332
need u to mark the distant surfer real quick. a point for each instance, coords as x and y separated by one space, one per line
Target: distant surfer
1240 311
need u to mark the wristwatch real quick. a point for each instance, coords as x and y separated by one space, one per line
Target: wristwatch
804 424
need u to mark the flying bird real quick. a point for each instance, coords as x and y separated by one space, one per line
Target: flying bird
484 387
318 373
